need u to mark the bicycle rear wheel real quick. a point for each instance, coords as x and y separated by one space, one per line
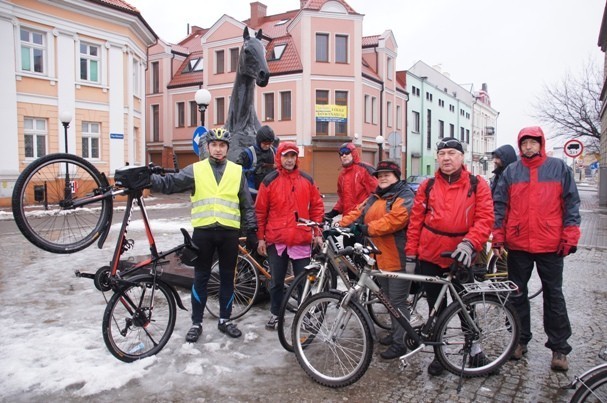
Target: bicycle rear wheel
42 203
305 284
246 287
593 389
499 334
332 345
139 320
498 268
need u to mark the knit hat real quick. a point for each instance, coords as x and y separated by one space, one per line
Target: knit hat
387 166
449 142
265 133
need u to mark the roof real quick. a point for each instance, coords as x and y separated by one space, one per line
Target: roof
181 79
123 6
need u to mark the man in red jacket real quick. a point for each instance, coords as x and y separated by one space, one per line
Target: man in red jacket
454 216
537 218
283 194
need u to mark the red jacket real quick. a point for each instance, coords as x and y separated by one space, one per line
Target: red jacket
281 194
537 204
354 184
451 212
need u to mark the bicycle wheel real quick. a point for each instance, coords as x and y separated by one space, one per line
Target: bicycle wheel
246 287
305 284
594 389
499 328
42 203
139 320
378 312
498 266
332 345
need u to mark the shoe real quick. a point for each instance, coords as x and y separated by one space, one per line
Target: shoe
417 319
519 351
272 323
230 329
394 351
435 368
194 333
480 360
386 340
559 362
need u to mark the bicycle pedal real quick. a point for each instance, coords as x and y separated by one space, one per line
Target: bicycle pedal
403 364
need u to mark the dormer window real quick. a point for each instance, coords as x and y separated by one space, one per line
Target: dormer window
278 51
281 22
193 65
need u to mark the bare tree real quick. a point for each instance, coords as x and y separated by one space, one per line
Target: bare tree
572 107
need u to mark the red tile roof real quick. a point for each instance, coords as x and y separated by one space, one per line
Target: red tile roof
317 5
370 41
289 62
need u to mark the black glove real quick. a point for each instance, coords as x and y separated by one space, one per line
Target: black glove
252 241
358 229
331 215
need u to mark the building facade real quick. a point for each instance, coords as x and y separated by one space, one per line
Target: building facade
82 62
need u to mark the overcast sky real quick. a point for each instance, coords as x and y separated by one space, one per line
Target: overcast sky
515 46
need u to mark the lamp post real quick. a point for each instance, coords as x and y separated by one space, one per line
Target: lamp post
203 99
65 118
380 144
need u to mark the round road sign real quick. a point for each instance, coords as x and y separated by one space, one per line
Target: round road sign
573 148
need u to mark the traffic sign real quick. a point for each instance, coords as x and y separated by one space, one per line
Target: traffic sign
573 148
198 133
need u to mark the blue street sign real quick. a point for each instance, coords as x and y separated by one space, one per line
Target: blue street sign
198 133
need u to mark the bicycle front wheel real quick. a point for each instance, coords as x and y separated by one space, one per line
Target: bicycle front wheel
305 284
246 287
139 320
594 389
43 198
499 330
332 345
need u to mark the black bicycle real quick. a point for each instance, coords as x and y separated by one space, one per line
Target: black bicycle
63 204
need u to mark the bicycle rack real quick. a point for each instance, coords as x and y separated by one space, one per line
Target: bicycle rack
490 287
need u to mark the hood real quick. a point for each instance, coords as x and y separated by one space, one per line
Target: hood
507 154
537 133
284 147
354 150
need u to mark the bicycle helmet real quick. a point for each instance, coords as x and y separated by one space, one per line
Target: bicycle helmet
264 134
219 134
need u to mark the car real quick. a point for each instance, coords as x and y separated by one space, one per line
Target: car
415 180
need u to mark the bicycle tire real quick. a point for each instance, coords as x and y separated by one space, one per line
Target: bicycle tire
334 360
246 288
293 298
38 203
378 312
147 311
593 389
499 265
499 327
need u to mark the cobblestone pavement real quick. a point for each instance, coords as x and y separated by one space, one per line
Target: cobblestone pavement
280 379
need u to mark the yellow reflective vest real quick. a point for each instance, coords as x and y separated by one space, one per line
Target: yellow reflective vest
215 202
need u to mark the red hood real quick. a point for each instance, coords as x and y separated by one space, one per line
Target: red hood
537 133
355 155
286 146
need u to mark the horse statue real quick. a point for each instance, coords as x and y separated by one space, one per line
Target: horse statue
242 121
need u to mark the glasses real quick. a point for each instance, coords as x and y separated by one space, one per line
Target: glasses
448 144
344 151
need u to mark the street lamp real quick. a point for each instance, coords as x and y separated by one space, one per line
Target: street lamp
380 143
65 117
203 99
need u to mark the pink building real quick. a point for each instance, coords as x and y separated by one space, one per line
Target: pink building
317 56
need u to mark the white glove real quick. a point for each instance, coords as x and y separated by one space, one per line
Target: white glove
463 253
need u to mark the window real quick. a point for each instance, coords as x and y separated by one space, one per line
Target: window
155 78
35 133
89 62
441 129
136 81
374 110
341 49
367 109
33 51
389 113
451 108
219 62
428 96
180 114
390 65
322 98
451 130
155 123
429 129
461 134
468 136
441 103
399 118
268 106
193 113
220 115
415 122
91 132
285 105
278 51
322 47
341 98
194 64
234 55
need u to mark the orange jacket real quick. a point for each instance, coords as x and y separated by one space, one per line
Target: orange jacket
386 217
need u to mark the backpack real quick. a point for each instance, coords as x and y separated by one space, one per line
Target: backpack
250 172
